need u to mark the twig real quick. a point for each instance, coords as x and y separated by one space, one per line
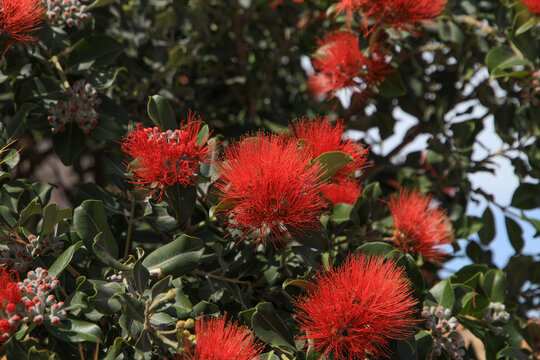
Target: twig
130 228
223 278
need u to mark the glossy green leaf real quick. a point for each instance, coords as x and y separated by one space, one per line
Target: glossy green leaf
75 331
502 59
341 213
526 196
69 144
332 162
494 285
442 294
64 259
301 283
161 113
392 86
514 234
487 233
104 299
89 220
376 249
131 307
179 257
270 328
94 51
104 253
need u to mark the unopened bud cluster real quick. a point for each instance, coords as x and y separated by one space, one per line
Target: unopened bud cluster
531 91
186 339
443 325
79 108
19 254
33 302
496 316
70 12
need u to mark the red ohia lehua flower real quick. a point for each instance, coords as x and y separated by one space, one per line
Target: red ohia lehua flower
10 297
217 339
344 190
164 158
420 226
18 20
533 5
354 310
342 67
398 14
320 136
271 188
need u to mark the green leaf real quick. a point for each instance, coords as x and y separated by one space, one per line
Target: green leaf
161 113
526 196
94 51
182 200
341 213
512 353
502 58
89 220
301 283
69 144
494 285
100 3
32 209
372 191
104 79
392 86
412 270
514 234
52 215
487 233
72 330
16 125
140 276
376 249
270 328
332 162
64 259
179 257
104 299
442 294
131 307
104 254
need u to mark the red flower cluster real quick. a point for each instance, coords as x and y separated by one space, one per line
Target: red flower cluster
355 309
343 191
18 20
10 297
320 136
420 226
217 339
398 14
270 188
342 65
162 159
533 5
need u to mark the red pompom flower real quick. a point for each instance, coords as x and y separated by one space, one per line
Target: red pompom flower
162 159
320 136
533 5
270 188
342 67
420 226
217 339
343 191
354 310
10 297
398 14
18 20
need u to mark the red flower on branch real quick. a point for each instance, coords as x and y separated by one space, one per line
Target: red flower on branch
320 136
355 309
343 191
533 5
420 226
398 14
342 66
10 297
162 159
270 188
18 20
217 339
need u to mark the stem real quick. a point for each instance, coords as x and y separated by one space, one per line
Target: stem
58 66
202 224
130 228
72 270
219 277
81 353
